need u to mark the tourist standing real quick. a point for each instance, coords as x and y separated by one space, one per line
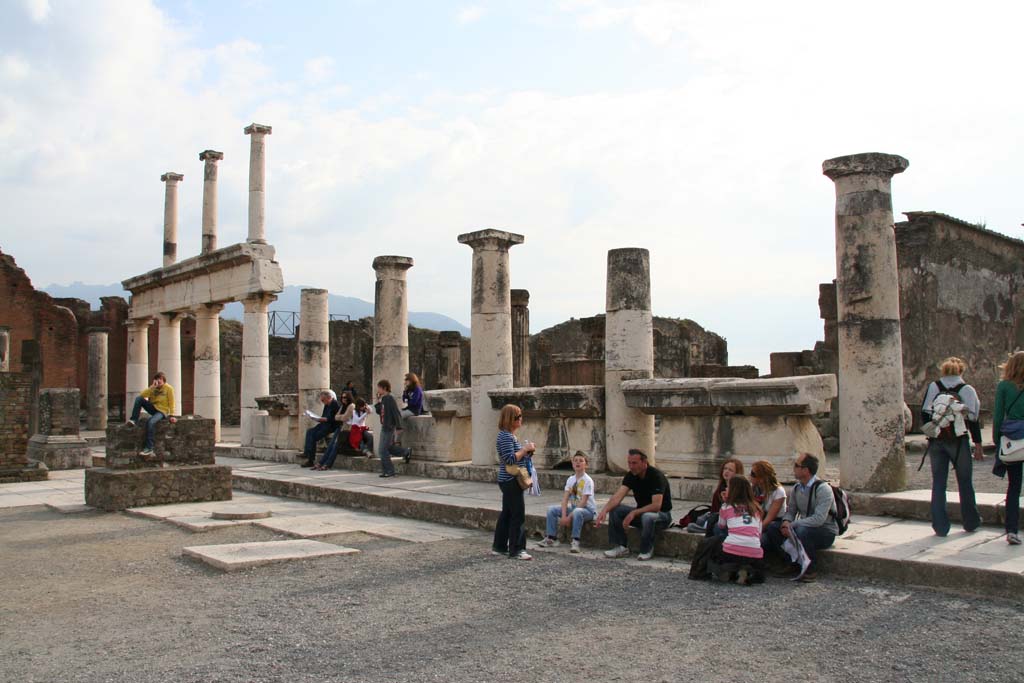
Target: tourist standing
390 427
509 534
1010 406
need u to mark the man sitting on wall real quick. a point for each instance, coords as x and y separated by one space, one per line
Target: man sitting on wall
325 425
652 512
158 400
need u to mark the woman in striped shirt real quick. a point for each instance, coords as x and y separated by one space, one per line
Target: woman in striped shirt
741 517
509 534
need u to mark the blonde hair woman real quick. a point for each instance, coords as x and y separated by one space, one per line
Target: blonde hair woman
1008 407
509 534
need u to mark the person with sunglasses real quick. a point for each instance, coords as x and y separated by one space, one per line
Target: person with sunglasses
509 534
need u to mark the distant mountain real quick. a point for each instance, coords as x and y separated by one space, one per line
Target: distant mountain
288 300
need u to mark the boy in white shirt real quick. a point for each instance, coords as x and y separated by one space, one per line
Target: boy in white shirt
577 506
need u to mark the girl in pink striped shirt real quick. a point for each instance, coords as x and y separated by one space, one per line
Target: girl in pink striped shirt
741 517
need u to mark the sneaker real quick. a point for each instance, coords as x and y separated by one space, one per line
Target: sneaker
643 557
619 551
522 555
495 551
385 475
408 456
575 547
130 422
743 577
149 451
308 463
809 576
548 542
1013 539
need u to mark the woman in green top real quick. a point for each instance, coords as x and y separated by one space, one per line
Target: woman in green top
1009 408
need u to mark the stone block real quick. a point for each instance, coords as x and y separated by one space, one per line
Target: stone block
236 556
112 490
438 438
190 441
449 402
60 452
59 412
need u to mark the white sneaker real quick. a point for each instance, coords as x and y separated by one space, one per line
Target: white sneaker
146 451
523 555
575 547
1013 539
643 557
547 542
620 551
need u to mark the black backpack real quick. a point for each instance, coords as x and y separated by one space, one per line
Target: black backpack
841 512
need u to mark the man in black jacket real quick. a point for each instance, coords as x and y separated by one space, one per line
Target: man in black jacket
324 426
390 425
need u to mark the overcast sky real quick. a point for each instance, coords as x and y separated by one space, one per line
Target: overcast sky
694 129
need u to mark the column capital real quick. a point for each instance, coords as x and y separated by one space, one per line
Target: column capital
261 299
172 177
392 263
210 155
869 163
491 239
172 317
97 330
520 297
138 322
208 309
258 129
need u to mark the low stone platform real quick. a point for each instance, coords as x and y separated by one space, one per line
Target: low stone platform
112 490
233 557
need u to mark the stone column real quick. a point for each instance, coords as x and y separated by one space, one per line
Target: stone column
314 349
257 182
206 388
255 359
491 333
628 353
171 180
97 394
5 348
450 363
520 338
872 456
212 159
168 353
137 365
390 322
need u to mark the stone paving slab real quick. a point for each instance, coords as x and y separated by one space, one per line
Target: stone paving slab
232 557
70 508
200 523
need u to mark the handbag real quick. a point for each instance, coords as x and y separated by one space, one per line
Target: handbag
1011 437
522 475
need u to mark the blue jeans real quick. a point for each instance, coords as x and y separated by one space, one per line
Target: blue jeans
579 516
941 453
648 523
388 448
1013 474
313 436
337 441
813 539
154 417
509 532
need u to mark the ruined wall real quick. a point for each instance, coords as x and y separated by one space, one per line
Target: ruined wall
230 372
15 406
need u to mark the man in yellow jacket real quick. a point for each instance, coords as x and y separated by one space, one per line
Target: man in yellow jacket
158 400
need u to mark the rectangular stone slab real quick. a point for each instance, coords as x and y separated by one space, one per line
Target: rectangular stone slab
232 557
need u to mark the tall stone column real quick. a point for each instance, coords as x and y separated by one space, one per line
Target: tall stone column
391 321
450 363
5 348
171 180
314 349
211 159
97 389
255 359
520 338
206 388
872 455
168 353
628 353
257 182
137 365
491 332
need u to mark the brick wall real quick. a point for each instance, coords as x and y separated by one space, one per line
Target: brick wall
15 405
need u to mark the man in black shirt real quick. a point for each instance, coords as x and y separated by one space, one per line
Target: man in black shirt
652 512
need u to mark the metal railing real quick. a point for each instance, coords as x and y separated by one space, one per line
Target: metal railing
284 323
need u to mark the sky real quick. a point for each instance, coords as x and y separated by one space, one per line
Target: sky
693 129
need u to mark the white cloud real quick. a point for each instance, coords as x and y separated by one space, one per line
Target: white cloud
319 69
38 10
470 14
14 68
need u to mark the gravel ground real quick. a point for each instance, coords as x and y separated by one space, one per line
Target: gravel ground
99 597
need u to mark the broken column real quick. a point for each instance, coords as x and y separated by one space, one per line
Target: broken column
314 366
206 387
97 390
391 321
58 444
168 354
491 333
255 360
5 348
628 353
257 182
211 159
171 180
450 362
520 338
137 365
870 351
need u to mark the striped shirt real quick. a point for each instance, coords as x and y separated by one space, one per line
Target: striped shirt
744 537
508 446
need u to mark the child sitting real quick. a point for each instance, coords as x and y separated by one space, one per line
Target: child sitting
741 517
577 505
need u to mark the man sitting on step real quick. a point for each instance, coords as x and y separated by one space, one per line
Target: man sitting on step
652 512
808 517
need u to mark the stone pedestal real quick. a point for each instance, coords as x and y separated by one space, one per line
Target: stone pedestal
211 159
97 397
170 181
5 348
16 398
255 360
520 338
168 354
277 429
58 444
257 182
206 388
137 361
314 363
871 423
446 434
491 332
629 353
450 362
391 322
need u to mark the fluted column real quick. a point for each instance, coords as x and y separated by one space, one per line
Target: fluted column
211 160
168 354
171 181
491 332
206 388
872 453
137 360
520 338
314 366
628 353
391 321
255 359
257 181
97 394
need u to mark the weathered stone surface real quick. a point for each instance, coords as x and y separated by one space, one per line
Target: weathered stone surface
58 444
257 182
520 338
237 556
439 438
242 512
314 365
98 371
111 490
187 442
211 160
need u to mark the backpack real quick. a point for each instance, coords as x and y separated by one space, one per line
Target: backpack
691 516
931 428
840 512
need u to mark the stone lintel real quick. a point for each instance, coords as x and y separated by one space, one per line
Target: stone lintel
392 262
804 395
482 238
211 155
172 177
869 163
258 128
552 401
449 402
520 297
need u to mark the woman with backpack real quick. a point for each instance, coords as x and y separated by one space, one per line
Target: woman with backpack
1009 408
949 418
